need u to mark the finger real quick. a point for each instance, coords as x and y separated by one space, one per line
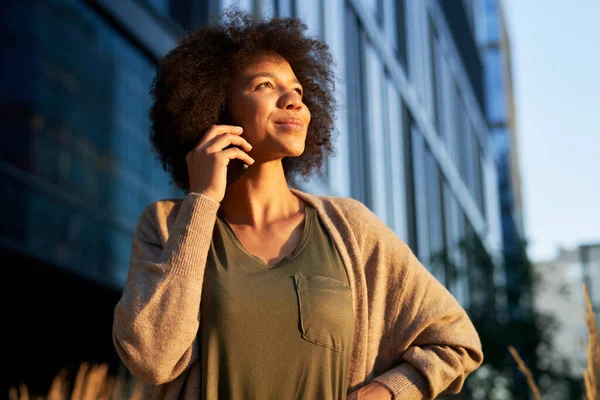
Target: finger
217 130
224 140
235 152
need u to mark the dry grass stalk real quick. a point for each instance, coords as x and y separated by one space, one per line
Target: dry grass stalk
530 381
591 375
91 383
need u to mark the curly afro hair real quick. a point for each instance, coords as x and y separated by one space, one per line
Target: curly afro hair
190 87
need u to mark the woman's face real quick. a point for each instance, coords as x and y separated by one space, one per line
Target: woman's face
266 100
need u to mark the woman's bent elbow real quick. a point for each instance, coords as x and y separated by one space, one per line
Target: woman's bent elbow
142 368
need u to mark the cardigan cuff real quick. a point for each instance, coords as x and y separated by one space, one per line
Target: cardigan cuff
405 382
192 235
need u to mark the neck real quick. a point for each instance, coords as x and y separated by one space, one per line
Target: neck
260 197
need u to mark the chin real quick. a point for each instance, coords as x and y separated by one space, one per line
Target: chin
293 148
297 151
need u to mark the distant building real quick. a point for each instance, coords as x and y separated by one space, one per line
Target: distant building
559 294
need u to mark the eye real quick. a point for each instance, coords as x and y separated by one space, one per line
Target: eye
299 91
265 84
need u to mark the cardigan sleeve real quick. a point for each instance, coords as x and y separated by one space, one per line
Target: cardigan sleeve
156 320
428 343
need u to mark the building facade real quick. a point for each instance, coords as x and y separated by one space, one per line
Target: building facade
413 144
489 24
494 42
561 296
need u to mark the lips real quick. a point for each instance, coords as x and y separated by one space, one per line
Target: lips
290 122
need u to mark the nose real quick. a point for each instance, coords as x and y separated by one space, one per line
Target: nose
291 100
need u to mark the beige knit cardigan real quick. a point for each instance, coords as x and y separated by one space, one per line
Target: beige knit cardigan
410 334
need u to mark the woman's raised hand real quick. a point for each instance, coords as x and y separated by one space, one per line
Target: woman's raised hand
207 162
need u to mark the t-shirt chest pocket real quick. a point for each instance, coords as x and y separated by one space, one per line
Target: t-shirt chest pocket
325 307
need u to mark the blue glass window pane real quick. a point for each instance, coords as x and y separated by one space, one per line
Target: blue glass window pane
78 103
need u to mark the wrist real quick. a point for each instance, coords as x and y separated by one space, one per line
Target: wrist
203 194
383 391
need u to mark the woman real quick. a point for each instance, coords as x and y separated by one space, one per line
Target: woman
258 290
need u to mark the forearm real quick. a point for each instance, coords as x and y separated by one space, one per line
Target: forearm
156 343
427 370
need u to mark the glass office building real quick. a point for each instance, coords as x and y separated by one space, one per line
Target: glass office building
75 173
494 42
76 168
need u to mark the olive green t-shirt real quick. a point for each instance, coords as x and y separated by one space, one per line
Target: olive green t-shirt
275 332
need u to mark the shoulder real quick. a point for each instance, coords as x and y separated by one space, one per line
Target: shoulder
350 214
341 211
161 210
353 210
155 220
346 206
372 234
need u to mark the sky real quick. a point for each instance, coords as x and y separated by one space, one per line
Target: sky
556 73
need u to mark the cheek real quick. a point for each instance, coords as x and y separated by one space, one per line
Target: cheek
307 116
250 110
244 109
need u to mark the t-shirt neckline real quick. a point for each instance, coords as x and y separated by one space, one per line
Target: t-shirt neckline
308 216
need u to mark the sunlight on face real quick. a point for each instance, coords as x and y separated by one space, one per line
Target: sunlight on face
266 100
